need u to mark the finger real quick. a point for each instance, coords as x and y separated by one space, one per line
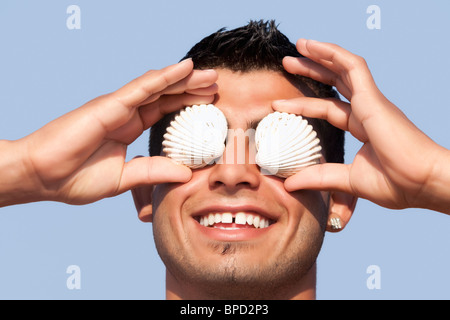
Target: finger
323 177
334 111
140 89
152 170
310 69
201 82
352 68
112 111
313 70
211 90
198 79
322 53
153 112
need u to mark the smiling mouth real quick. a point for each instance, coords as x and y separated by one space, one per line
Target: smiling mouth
234 221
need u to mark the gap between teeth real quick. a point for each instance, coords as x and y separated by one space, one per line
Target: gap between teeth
239 218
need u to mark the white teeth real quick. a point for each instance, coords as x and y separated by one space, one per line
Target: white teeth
256 221
211 219
240 218
227 218
262 223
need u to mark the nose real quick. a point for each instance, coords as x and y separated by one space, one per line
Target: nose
236 169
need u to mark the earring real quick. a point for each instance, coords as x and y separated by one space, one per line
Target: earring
336 223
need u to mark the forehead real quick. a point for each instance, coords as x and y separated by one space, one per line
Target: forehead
247 97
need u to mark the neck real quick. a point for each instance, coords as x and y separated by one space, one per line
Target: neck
305 289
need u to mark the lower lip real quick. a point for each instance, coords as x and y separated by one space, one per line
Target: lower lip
234 232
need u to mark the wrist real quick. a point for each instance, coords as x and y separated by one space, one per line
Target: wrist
17 184
437 191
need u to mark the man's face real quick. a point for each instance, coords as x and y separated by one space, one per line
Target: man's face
231 259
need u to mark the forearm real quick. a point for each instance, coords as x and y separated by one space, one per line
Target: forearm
16 184
436 195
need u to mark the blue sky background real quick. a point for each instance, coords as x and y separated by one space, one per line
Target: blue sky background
47 70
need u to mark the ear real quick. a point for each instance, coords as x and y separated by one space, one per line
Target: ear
342 206
142 197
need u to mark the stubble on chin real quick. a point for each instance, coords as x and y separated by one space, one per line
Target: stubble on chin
236 278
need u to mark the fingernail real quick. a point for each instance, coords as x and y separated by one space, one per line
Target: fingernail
278 105
278 102
212 71
305 42
188 59
181 172
312 41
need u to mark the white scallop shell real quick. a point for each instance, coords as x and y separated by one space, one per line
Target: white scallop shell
196 136
285 144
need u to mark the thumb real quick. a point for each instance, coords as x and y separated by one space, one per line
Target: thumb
152 170
323 177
